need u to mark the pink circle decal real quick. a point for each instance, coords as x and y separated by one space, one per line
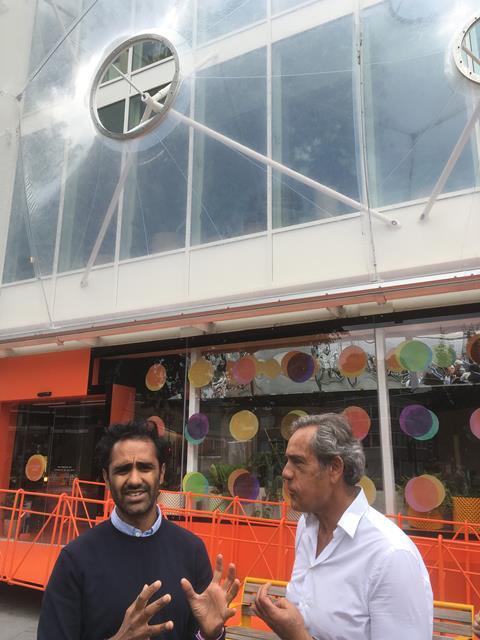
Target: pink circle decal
359 421
159 425
244 370
475 423
424 493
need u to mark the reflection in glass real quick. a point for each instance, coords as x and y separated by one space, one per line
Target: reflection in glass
313 121
154 204
87 197
219 18
229 196
407 147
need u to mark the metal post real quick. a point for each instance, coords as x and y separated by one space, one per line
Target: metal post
384 420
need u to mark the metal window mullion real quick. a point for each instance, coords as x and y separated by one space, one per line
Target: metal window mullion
269 90
193 407
386 446
362 156
191 151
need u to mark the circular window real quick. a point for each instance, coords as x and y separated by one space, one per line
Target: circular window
466 52
141 66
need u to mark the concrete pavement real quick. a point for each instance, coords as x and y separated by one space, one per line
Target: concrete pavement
19 610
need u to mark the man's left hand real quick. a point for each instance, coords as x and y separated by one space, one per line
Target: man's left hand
282 616
210 608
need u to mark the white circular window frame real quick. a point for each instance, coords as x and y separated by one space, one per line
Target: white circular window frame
156 118
458 51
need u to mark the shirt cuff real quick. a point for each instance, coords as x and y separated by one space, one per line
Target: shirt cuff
199 635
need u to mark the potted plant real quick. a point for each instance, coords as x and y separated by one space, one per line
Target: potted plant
219 472
464 497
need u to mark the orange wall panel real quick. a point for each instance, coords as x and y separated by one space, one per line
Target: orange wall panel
63 374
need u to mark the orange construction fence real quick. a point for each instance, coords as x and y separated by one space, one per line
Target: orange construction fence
259 537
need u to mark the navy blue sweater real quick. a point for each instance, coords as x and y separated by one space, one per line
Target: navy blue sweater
99 575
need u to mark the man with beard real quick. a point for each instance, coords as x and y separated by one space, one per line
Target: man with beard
103 583
356 574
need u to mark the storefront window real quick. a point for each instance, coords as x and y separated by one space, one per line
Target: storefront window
248 398
433 379
54 444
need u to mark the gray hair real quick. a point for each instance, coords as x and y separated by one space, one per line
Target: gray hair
334 438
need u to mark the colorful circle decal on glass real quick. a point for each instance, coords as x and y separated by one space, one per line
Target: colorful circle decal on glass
392 361
416 420
368 488
232 477
444 355
159 425
359 421
156 377
244 425
288 419
286 359
473 348
352 361
197 428
414 355
246 486
195 482
475 423
200 373
244 370
35 467
300 367
271 368
432 432
424 493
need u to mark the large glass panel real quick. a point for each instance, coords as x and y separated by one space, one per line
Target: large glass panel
154 205
255 393
18 263
229 192
283 5
434 383
313 121
218 17
88 193
33 224
416 105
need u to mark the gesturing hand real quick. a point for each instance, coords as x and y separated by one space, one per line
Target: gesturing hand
281 616
210 608
135 622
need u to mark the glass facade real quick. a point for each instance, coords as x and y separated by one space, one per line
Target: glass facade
324 90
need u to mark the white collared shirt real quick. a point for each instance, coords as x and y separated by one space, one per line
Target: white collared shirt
368 583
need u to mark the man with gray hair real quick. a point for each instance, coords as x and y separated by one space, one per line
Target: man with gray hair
356 576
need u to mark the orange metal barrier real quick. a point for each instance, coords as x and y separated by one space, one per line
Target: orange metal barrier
34 527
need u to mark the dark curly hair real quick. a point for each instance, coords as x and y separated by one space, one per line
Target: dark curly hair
135 430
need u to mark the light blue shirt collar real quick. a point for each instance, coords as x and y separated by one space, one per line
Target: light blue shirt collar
126 528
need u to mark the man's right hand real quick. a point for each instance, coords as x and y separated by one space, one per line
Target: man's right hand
135 622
